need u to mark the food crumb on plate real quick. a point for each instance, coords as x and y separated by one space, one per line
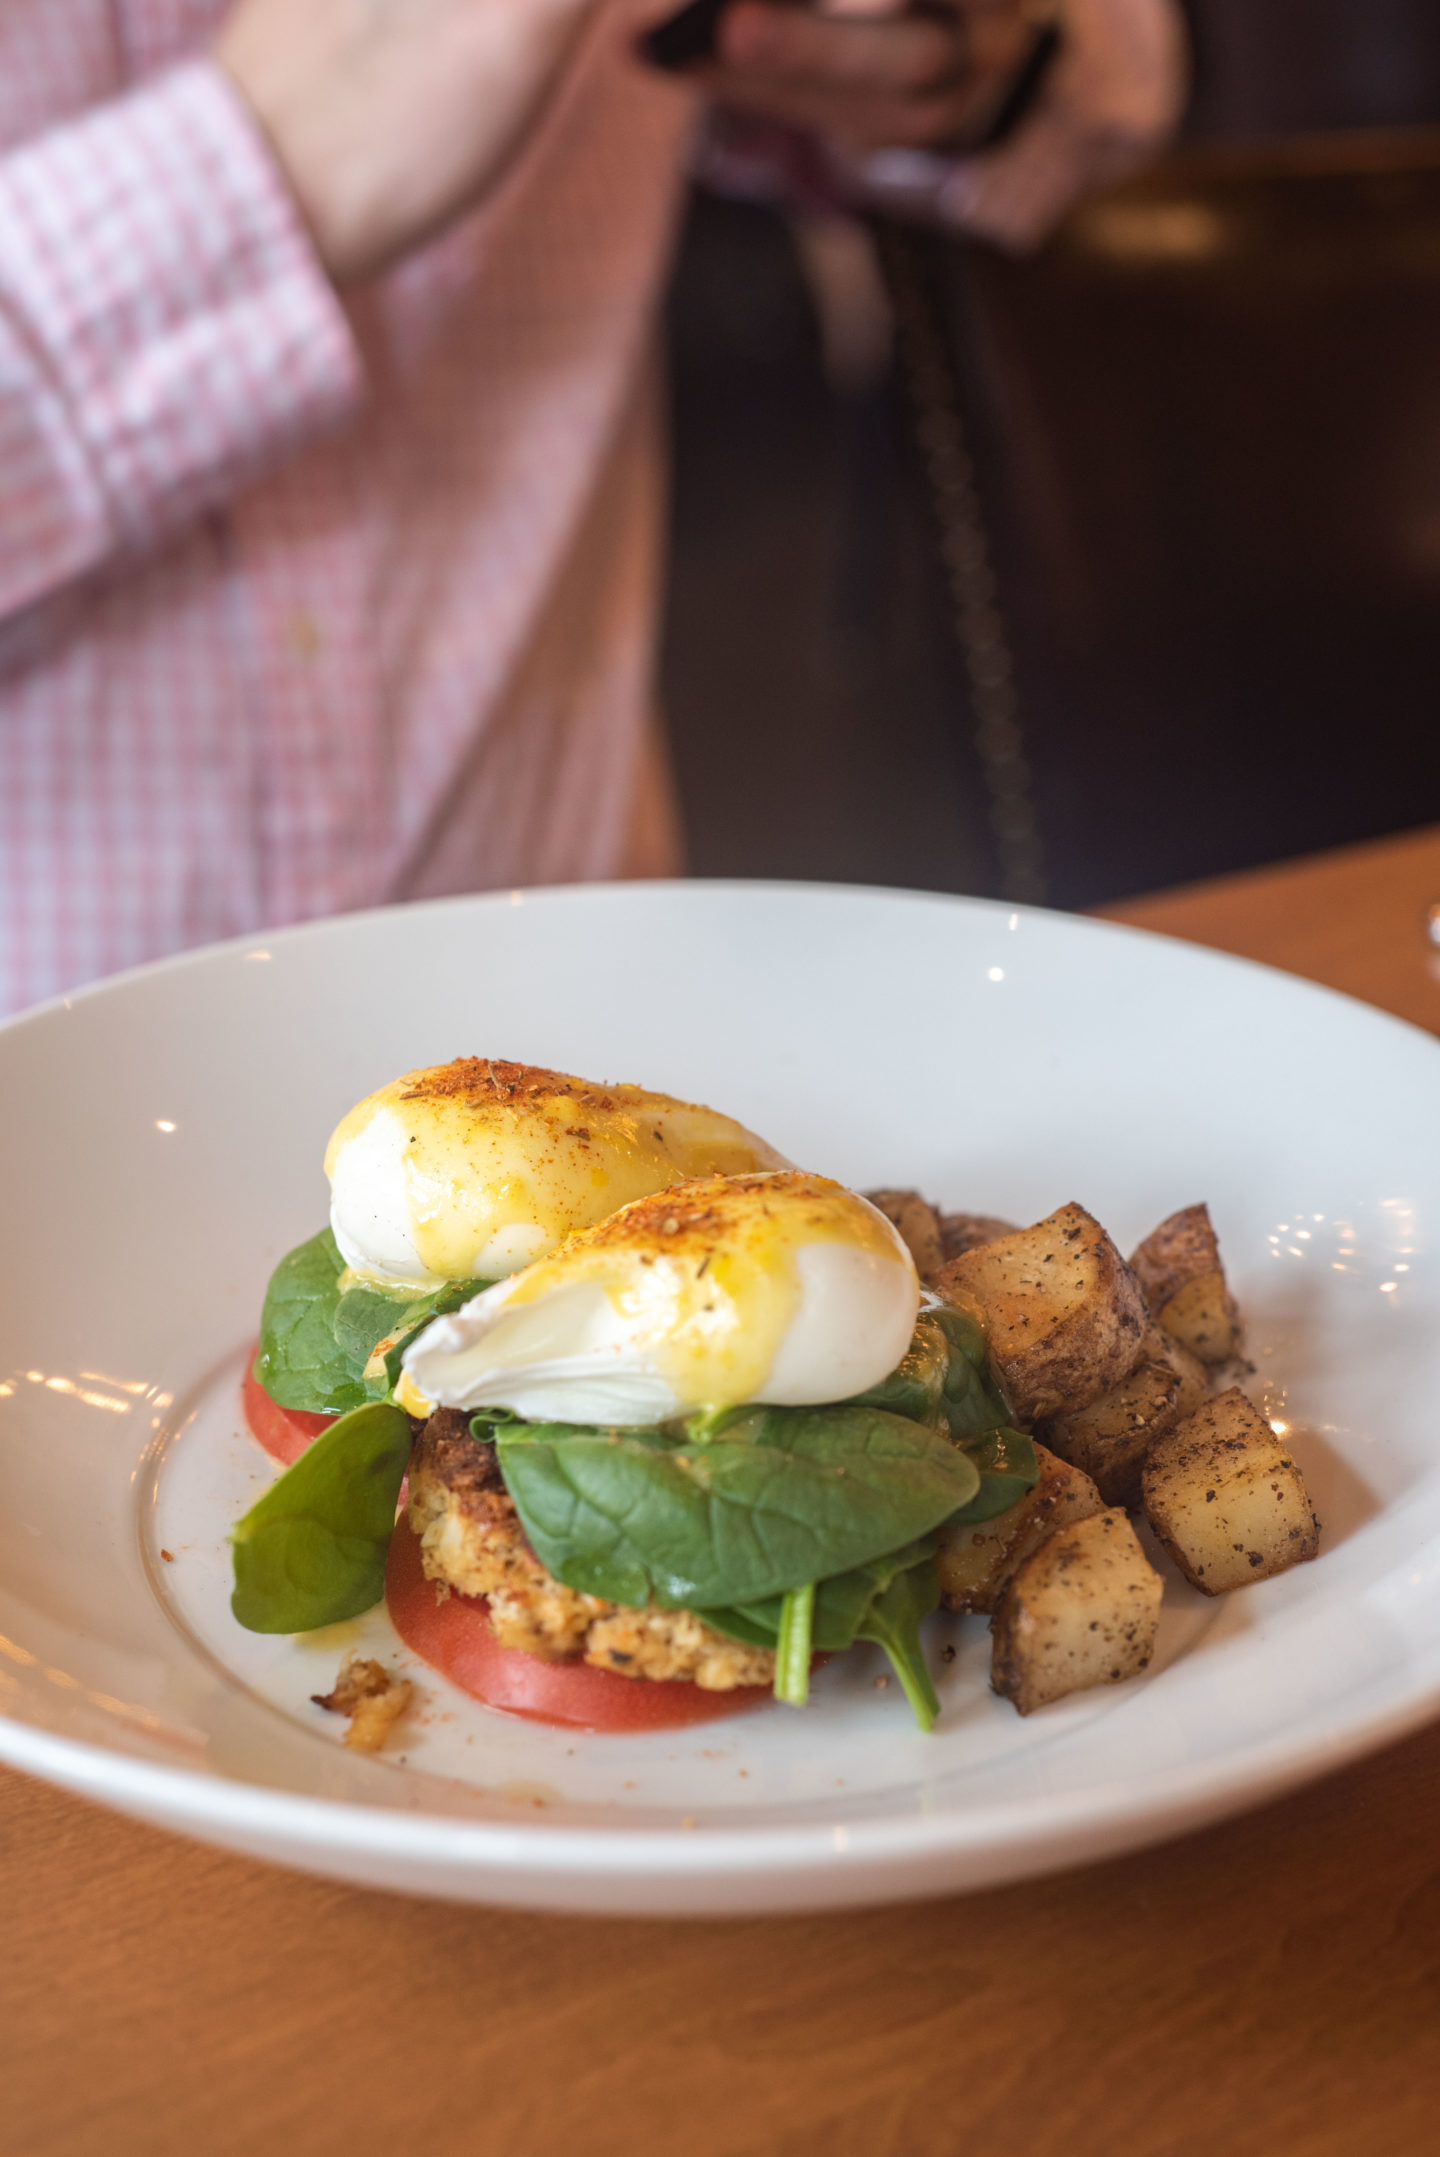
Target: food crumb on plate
373 1698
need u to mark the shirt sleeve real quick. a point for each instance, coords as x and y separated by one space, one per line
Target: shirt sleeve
166 329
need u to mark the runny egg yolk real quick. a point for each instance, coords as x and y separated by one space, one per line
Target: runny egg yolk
780 1288
473 1169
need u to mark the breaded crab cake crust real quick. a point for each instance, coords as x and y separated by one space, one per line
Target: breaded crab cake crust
471 1540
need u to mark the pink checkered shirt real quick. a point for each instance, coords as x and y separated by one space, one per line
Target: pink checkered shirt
305 605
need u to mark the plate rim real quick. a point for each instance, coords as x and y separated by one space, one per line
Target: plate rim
1018 1831
326 925
998 1841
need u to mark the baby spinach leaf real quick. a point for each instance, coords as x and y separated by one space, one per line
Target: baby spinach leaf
892 1621
316 1338
416 1317
840 1604
711 1422
943 1377
361 1318
301 1363
884 1602
972 1401
964 1335
789 1496
500 1424
916 1386
313 1549
1008 1468
756 1625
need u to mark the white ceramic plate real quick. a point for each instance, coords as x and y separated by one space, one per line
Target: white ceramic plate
162 1140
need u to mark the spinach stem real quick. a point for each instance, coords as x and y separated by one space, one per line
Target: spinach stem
918 1685
711 1422
792 1650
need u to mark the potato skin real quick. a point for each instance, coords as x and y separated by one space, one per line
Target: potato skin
1203 1318
1063 1314
975 1563
1179 1267
1110 1439
1197 1380
1226 1499
918 1223
1183 1246
1084 1610
961 1232
934 1237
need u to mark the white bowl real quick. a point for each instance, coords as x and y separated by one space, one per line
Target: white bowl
162 1138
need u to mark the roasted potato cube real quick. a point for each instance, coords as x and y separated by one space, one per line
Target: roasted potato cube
1110 1439
1203 1318
1083 1610
1225 1498
975 1563
1183 1247
1197 1383
964 1231
1179 1269
1063 1314
918 1223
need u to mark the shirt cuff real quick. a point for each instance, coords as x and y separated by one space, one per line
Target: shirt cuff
172 302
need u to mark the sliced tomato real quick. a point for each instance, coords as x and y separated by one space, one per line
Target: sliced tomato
284 1432
455 1638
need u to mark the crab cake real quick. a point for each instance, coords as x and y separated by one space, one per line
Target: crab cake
471 1541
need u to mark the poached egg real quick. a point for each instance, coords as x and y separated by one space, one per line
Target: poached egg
776 1288
473 1169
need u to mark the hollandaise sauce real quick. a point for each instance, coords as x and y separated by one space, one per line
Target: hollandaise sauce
476 1168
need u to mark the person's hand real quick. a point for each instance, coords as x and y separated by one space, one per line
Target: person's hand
877 79
391 117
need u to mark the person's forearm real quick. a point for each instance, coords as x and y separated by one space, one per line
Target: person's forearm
166 330
168 318
390 118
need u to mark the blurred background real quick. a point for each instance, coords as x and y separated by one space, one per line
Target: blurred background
1204 425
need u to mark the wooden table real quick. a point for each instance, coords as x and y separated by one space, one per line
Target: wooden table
1271 1987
